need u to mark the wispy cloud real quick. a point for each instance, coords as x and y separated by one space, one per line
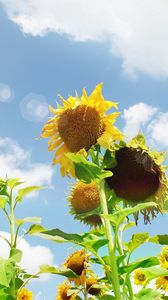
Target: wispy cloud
17 162
137 30
149 120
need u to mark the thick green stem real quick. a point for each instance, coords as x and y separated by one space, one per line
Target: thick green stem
129 285
112 257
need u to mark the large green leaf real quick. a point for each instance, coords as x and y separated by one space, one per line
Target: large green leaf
137 240
161 239
26 191
140 263
6 271
5 296
154 272
58 271
55 235
119 217
86 170
148 294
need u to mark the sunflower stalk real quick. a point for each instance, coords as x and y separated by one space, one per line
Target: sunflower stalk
12 243
112 257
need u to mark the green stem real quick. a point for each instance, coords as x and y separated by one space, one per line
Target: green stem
129 285
12 232
112 258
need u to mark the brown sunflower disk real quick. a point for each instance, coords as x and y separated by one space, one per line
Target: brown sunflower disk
136 176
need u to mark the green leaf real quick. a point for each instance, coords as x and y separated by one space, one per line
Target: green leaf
148 294
154 272
3 201
87 171
109 160
4 296
140 263
94 243
6 271
127 226
16 255
137 240
55 235
161 239
18 283
119 217
13 182
106 297
59 271
20 222
26 191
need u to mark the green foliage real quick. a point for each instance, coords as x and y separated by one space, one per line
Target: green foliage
87 171
137 240
161 239
119 216
139 263
58 271
148 294
26 191
7 268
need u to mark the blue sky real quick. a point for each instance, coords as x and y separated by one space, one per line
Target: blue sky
35 67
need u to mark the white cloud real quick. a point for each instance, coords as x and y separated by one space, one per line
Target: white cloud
34 107
158 129
136 117
16 162
33 256
137 30
6 93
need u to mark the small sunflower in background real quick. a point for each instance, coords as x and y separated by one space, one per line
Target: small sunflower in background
91 282
78 125
140 278
162 283
24 294
78 263
139 176
65 292
163 257
83 199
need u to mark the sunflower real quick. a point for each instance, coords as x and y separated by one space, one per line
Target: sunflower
24 294
79 124
85 198
139 278
64 292
162 283
78 263
90 282
164 257
138 176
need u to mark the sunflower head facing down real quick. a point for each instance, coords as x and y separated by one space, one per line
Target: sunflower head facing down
83 199
65 293
90 286
79 124
78 263
138 176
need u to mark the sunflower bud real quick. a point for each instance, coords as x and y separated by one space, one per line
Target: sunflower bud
85 198
90 282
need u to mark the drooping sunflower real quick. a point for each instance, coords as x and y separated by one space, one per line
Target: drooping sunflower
65 293
162 283
78 263
140 278
85 198
90 282
163 257
139 176
79 124
24 294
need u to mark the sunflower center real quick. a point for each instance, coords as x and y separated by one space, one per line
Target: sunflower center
136 176
141 277
65 296
85 198
80 127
